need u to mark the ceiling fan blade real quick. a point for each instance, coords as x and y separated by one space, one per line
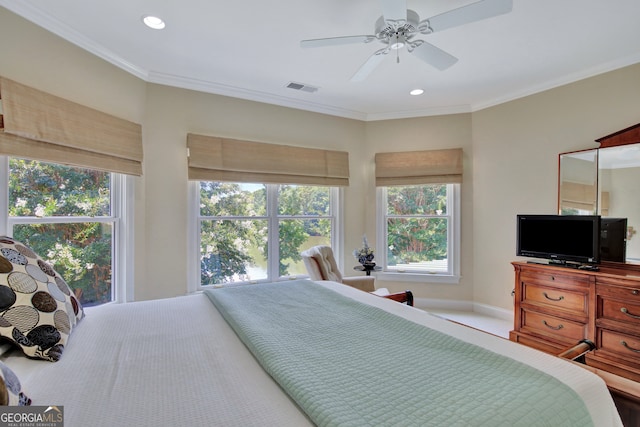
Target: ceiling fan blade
394 10
472 12
370 64
434 56
336 41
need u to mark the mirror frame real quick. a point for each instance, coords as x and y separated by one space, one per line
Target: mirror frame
630 135
578 193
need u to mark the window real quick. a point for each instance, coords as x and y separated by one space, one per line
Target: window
255 232
418 226
72 218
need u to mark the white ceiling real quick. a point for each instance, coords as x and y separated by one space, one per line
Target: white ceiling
251 49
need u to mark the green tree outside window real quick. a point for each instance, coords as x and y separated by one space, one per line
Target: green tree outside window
78 249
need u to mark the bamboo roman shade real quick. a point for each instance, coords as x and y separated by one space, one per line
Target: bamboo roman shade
41 126
578 196
419 167
222 159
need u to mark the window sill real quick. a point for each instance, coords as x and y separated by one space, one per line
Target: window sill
417 277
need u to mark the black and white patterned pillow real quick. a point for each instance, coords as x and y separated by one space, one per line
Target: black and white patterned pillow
37 308
11 393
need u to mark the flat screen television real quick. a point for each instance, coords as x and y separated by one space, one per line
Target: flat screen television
562 239
613 239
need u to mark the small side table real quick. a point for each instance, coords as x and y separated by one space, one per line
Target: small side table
367 268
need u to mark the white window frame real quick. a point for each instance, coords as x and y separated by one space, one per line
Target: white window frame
453 240
122 217
193 227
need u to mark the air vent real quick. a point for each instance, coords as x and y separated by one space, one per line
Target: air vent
302 87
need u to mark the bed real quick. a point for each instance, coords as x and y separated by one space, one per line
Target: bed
182 361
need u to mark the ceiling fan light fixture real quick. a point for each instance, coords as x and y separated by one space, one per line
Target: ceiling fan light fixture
398 42
396 29
153 22
416 92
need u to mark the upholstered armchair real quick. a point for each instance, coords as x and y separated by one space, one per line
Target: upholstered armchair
321 265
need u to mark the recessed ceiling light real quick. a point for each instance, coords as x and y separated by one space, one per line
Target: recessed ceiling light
416 92
153 22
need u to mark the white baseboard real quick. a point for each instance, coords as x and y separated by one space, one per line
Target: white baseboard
497 312
458 305
442 304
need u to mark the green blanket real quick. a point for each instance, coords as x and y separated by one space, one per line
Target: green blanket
346 363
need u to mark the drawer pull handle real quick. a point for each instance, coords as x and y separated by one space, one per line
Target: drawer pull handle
635 292
624 344
555 328
560 298
625 311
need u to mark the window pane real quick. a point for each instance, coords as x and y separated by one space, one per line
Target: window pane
417 243
233 251
232 199
79 252
417 200
298 235
236 222
303 200
46 189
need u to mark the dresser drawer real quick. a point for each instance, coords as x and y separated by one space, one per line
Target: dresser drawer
626 293
570 300
552 326
552 278
622 345
619 310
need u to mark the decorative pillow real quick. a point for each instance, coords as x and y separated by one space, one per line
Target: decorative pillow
11 393
37 308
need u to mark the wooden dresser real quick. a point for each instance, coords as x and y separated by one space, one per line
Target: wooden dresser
556 307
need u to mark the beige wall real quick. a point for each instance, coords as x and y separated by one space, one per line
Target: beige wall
426 133
510 154
50 64
38 59
34 57
171 114
515 163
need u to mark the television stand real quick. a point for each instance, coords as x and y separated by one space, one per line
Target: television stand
589 306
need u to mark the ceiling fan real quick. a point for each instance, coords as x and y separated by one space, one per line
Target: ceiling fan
398 27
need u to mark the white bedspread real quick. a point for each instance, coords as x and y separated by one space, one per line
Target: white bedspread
171 362
176 362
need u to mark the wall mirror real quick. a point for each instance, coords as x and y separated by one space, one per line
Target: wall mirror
605 181
578 183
